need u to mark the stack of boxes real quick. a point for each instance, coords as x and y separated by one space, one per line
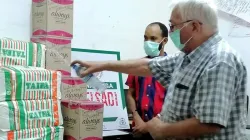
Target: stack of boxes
29 94
53 27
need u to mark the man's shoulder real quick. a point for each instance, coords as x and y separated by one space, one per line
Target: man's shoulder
222 52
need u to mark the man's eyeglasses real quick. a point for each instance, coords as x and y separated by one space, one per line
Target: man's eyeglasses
171 26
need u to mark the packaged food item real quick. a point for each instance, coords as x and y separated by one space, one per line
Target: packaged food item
14 52
73 88
52 18
58 53
44 133
83 120
29 83
28 114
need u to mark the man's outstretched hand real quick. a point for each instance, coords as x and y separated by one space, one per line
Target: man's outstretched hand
91 66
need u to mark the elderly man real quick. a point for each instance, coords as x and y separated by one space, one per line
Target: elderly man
207 92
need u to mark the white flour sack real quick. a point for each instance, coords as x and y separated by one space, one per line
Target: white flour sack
14 52
29 83
45 133
29 114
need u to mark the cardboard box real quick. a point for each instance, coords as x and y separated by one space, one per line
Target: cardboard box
82 120
73 89
58 53
52 18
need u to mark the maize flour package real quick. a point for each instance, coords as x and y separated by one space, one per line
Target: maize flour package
29 83
28 114
13 52
44 133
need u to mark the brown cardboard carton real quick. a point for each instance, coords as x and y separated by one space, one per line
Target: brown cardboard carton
52 18
73 88
58 53
83 120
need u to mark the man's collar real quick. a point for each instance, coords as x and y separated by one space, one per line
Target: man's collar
201 50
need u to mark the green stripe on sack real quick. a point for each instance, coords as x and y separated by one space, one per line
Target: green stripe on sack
7 85
48 133
22 116
40 91
52 111
39 55
57 133
19 83
1 47
23 75
52 103
30 51
29 77
11 115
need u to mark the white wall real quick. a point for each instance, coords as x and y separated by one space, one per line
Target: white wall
15 19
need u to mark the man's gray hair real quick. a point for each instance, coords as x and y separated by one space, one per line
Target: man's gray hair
202 10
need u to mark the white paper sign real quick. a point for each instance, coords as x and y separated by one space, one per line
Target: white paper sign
240 28
115 110
238 8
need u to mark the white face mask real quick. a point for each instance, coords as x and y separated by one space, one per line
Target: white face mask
152 48
176 38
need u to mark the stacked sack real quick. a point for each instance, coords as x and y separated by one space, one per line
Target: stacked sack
30 95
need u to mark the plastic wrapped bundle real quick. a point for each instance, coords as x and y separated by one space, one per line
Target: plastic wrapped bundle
13 52
29 83
45 133
29 114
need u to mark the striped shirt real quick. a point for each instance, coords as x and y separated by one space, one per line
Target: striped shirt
149 95
209 84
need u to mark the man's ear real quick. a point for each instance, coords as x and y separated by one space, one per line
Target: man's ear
165 41
196 26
